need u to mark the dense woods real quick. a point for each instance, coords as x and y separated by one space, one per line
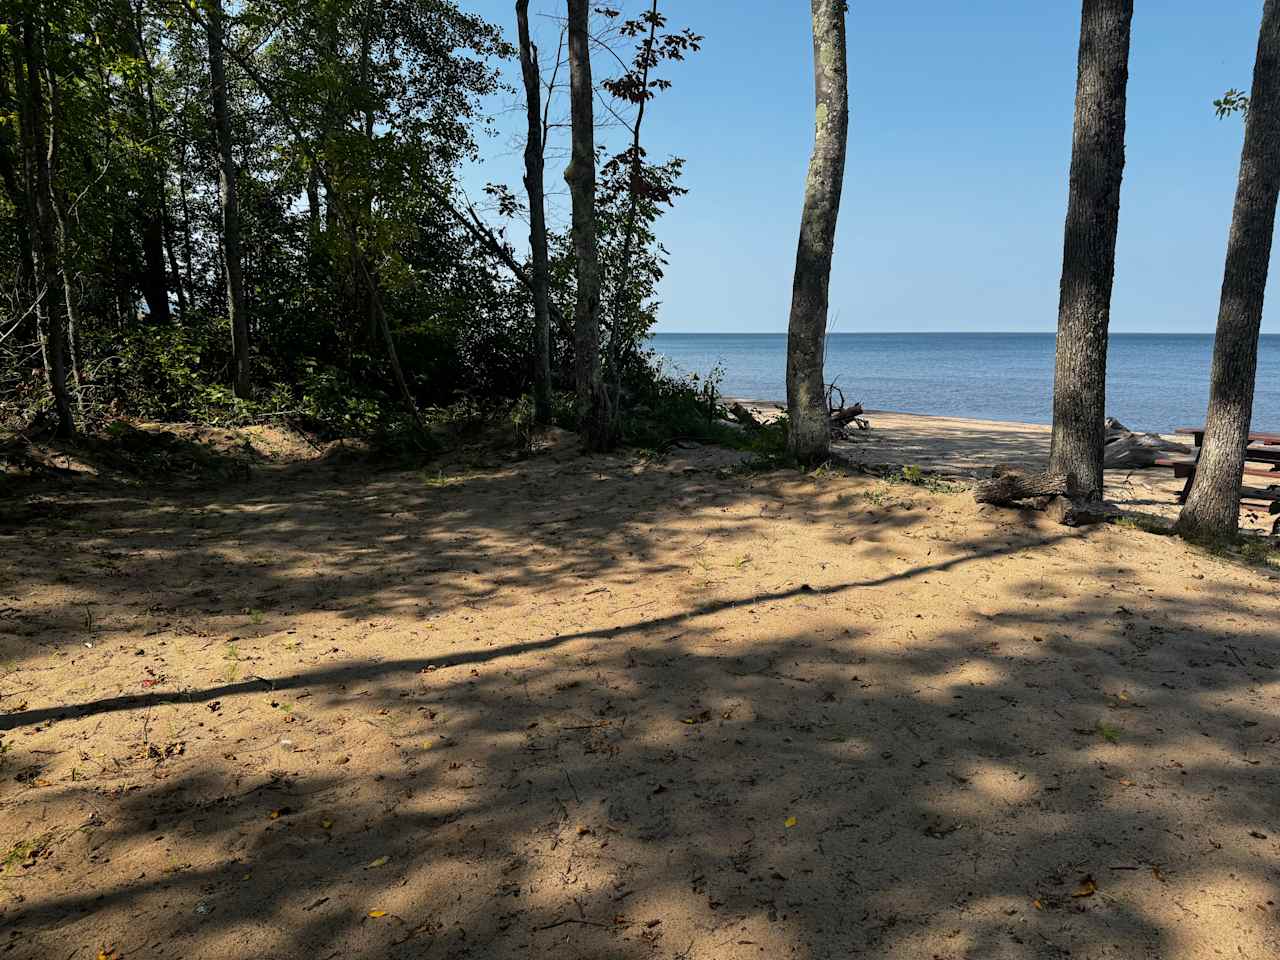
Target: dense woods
254 210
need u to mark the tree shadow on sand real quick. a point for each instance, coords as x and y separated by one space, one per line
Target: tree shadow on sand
619 738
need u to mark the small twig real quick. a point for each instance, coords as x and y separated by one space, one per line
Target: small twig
561 923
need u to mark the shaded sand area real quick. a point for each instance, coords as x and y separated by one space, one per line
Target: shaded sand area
595 707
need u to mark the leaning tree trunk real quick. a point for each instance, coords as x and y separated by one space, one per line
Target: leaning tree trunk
1089 245
594 418
1213 506
49 317
809 436
228 198
533 185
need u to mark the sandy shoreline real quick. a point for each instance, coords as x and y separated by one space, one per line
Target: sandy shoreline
964 448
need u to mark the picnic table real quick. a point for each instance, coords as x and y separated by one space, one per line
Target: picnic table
1262 459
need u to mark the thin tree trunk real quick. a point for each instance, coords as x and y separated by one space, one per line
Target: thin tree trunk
162 173
228 197
1213 505
533 184
49 318
809 432
58 204
1089 245
594 418
11 155
184 202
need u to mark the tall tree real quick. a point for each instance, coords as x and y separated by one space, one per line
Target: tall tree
533 184
49 316
1213 506
594 417
809 437
1089 246
229 202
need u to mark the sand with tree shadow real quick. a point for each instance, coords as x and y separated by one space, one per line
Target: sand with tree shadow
595 707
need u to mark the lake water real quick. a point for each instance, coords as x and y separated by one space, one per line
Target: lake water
1154 381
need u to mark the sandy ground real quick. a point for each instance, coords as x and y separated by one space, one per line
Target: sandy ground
592 707
965 449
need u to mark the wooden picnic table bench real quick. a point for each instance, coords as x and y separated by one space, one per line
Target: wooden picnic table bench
1262 451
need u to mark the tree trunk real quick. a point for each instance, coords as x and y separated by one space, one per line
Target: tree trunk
1089 245
49 316
594 418
809 430
228 198
537 219
1213 505
58 206
150 202
11 156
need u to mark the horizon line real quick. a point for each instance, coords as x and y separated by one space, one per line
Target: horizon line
858 333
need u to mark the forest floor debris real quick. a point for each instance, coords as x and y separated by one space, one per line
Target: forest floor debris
593 706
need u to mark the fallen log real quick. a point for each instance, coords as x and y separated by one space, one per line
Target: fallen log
842 415
1010 486
744 416
1079 513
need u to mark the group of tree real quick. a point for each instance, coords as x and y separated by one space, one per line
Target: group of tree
1088 262
259 205
255 207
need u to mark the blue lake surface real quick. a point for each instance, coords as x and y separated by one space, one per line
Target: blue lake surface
1154 381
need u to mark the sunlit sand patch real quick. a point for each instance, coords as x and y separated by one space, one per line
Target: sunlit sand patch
937 689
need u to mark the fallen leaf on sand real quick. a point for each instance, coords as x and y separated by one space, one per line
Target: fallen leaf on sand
326 824
789 822
1037 904
702 717
1087 887
380 862
377 913
108 955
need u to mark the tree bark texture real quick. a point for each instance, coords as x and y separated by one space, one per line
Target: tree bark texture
594 418
1089 244
808 436
1213 505
533 185
229 202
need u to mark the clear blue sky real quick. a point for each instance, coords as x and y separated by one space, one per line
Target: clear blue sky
959 142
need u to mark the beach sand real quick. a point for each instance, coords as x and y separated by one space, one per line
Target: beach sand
966 449
582 707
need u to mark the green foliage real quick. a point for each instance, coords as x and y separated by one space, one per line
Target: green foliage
1233 101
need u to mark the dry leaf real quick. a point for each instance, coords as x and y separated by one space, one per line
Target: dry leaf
1155 872
789 822
1037 904
377 913
326 824
1087 887
108 955
380 862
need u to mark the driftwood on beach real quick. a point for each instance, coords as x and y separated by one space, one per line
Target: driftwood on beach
1008 486
1051 493
839 417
